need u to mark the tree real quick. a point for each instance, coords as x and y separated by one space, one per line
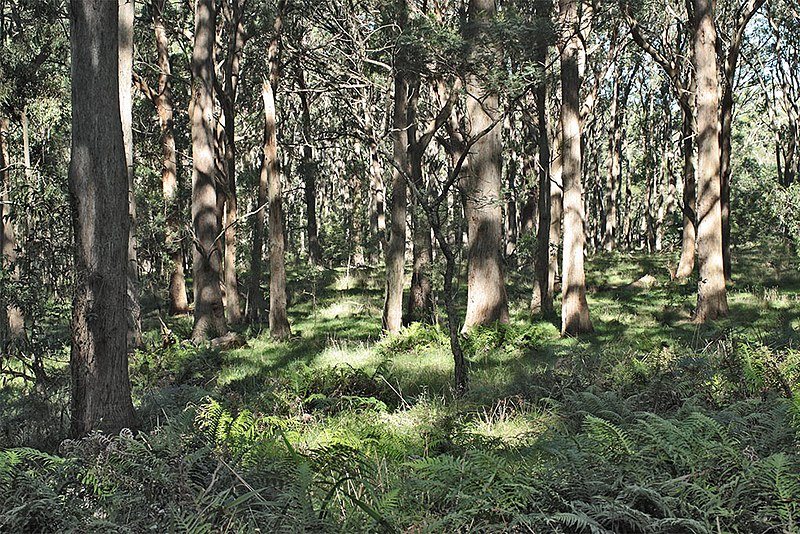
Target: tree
712 300
234 14
126 16
209 313
486 293
161 98
278 318
98 183
12 320
395 249
574 308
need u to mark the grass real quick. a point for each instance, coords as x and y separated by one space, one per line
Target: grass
629 409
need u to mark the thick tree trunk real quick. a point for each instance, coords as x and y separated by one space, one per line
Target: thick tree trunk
209 313
486 292
309 172
711 296
688 244
98 183
126 14
574 308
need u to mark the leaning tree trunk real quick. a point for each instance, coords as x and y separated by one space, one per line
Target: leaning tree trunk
486 292
574 308
126 15
98 184
712 300
209 312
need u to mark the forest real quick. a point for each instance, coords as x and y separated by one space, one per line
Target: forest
401 266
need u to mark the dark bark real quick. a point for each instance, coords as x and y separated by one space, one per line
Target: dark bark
309 171
209 313
542 301
98 183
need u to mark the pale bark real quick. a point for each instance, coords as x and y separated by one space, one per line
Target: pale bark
209 313
98 183
574 308
711 295
486 292
614 167
686 263
12 320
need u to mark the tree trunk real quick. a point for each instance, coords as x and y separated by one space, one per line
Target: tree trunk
711 296
688 244
420 299
396 246
12 320
377 203
209 313
309 172
98 183
278 317
574 308
556 215
126 14
542 301
178 300
231 67
486 292
614 169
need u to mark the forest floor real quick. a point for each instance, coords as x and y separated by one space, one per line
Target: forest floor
650 424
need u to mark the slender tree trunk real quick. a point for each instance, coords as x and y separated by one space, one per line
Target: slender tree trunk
12 320
614 169
178 300
256 297
574 308
420 299
231 67
209 312
556 216
309 172
98 183
711 295
542 301
396 246
688 245
126 14
486 292
377 203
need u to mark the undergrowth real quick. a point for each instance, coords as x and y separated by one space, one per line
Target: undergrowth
650 429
